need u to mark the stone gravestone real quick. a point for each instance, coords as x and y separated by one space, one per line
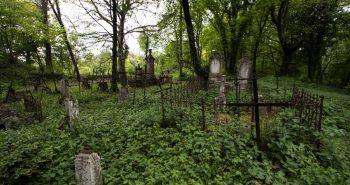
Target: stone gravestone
88 168
244 74
123 94
85 83
31 105
64 88
71 108
215 69
103 86
150 77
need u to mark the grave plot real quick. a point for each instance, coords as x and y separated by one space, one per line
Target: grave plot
226 100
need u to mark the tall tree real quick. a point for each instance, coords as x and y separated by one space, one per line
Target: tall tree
114 86
48 50
55 6
288 36
196 62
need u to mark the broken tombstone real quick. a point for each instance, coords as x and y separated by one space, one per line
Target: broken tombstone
71 107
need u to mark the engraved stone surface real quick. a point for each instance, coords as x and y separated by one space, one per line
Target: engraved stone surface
244 74
215 66
88 169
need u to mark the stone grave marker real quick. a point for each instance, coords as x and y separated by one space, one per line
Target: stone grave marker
64 88
244 74
214 70
88 167
31 105
150 77
85 83
71 108
103 86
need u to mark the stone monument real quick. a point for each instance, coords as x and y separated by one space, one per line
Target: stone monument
88 167
150 77
215 69
244 74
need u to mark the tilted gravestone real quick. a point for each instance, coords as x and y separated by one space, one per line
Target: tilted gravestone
88 167
64 88
71 108
244 74
31 105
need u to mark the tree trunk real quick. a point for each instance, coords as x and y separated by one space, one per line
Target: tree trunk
8 50
57 13
121 51
191 40
284 69
48 50
114 86
180 44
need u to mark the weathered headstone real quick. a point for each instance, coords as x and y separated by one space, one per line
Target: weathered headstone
215 66
31 105
88 168
85 83
72 110
150 77
215 70
103 86
244 74
123 94
64 88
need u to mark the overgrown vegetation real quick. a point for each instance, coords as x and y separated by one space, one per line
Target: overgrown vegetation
135 149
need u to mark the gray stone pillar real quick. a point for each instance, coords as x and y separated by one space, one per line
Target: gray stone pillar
88 168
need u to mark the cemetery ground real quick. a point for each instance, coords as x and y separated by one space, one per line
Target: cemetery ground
135 148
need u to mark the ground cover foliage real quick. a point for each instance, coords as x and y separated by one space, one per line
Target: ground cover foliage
135 149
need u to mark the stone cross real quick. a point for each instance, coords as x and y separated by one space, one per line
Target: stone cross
88 168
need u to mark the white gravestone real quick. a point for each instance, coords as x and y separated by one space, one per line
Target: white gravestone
244 74
215 66
88 169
